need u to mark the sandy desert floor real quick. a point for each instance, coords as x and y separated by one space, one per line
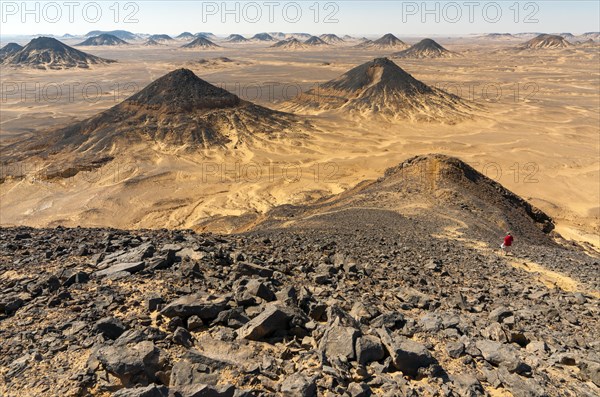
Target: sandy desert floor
537 134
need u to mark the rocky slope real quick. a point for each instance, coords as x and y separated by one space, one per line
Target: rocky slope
352 297
448 192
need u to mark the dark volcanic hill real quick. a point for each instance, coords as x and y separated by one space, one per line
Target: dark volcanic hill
200 42
591 35
9 49
300 36
499 36
315 41
49 53
161 38
206 35
388 41
546 41
103 40
382 88
448 191
236 38
589 43
425 48
185 36
331 39
278 35
567 36
122 34
290 44
179 110
262 37
151 43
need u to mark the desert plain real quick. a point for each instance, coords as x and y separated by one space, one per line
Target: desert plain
535 131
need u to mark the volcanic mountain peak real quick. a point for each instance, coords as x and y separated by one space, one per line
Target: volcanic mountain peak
206 35
380 72
315 41
122 34
46 43
388 39
151 42
380 88
161 37
186 35
181 90
262 37
9 49
236 38
331 38
292 43
445 188
103 40
179 112
428 43
200 42
449 177
547 41
49 53
426 48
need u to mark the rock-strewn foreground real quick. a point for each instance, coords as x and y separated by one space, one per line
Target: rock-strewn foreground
384 311
344 298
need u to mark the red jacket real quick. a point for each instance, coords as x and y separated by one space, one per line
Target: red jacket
508 241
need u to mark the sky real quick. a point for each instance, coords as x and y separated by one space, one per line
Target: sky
403 18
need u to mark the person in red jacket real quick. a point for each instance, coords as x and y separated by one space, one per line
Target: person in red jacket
507 244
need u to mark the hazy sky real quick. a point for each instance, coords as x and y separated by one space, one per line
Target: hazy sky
342 17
